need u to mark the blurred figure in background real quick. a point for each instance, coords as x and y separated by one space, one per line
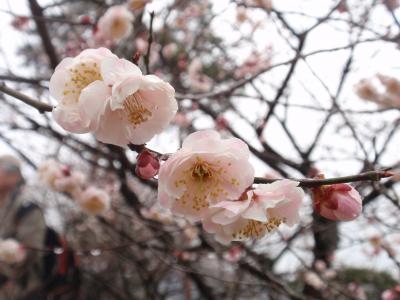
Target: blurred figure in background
24 222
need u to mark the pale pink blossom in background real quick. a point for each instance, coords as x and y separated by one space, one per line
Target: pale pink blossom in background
94 201
141 45
258 212
70 79
137 4
11 251
116 23
170 50
197 80
138 107
49 172
205 171
337 202
71 183
254 63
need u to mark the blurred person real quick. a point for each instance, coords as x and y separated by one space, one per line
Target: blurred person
42 274
24 222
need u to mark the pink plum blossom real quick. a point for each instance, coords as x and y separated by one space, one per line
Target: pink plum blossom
94 201
71 183
116 23
137 107
205 171
70 79
256 213
337 202
11 251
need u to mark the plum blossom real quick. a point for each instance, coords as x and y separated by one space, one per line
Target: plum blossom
116 23
61 178
205 171
337 202
256 213
11 251
137 106
94 201
70 79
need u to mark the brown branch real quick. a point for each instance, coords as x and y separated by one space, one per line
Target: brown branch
309 183
41 27
40 106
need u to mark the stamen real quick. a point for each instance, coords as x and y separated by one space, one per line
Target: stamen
136 112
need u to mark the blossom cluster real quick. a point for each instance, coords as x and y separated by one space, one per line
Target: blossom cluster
209 179
100 93
61 178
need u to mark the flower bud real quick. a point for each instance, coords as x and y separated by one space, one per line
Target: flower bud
147 165
337 202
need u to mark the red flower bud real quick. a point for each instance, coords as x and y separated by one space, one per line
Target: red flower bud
147 165
337 202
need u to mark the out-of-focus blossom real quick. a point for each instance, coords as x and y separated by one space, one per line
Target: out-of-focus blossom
70 79
141 45
20 22
137 4
71 183
391 294
49 172
170 50
314 280
388 98
221 123
11 251
337 202
147 165
94 201
116 23
366 90
256 212
197 80
138 108
205 171
342 7
156 214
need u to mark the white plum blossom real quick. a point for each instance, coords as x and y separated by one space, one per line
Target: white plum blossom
70 79
11 251
256 213
116 23
205 171
94 201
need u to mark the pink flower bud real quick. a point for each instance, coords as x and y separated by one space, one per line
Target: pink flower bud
337 202
147 165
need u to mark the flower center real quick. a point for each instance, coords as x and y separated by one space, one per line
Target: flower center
82 75
135 111
256 229
202 170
